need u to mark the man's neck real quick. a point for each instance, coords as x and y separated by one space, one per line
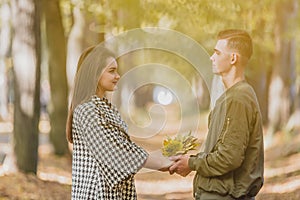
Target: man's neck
232 78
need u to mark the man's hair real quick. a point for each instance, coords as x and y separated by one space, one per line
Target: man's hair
238 40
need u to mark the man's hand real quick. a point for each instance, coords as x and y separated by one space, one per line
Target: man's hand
180 166
164 169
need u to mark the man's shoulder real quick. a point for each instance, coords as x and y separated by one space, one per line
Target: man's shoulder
244 90
243 93
244 86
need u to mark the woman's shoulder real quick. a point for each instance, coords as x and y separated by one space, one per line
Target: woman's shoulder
85 108
85 113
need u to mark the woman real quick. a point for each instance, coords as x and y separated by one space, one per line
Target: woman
105 160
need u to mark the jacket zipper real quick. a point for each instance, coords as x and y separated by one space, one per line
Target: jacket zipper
226 129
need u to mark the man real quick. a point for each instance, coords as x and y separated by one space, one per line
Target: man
231 166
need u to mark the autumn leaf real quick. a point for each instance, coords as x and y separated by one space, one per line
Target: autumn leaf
180 144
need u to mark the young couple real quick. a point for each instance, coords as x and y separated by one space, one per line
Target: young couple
105 160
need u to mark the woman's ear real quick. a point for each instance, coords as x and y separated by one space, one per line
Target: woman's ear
233 58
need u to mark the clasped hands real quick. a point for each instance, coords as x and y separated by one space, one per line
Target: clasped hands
179 166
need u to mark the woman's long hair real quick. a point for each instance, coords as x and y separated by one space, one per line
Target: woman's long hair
89 68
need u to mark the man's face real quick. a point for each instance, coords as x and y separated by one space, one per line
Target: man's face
221 58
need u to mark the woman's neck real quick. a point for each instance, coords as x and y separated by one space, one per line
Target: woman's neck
100 93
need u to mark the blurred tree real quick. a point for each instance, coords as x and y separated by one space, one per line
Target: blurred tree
5 53
121 16
26 66
260 28
202 20
282 86
124 15
87 30
56 44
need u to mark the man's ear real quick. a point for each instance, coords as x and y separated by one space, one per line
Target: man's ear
233 58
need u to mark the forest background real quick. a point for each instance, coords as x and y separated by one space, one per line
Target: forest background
41 41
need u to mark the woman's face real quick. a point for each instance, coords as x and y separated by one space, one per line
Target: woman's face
109 77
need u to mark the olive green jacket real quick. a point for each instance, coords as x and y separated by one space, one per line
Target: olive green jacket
233 158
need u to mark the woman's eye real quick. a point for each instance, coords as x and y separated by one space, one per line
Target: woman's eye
113 71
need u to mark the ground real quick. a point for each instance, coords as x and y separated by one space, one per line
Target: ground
282 178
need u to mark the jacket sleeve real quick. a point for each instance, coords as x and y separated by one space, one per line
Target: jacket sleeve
118 157
229 151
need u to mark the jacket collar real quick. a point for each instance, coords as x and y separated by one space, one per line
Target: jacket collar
109 113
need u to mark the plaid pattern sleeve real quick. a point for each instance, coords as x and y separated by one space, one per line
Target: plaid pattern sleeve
104 158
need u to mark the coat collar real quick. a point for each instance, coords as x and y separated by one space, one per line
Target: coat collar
109 113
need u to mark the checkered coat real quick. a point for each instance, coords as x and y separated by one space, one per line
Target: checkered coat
104 158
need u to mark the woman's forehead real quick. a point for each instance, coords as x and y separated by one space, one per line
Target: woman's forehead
111 62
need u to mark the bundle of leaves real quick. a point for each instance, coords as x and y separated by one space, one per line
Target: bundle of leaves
180 144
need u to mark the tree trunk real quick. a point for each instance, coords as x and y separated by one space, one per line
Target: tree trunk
282 85
5 48
293 122
26 59
56 44
80 37
258 71
75 42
